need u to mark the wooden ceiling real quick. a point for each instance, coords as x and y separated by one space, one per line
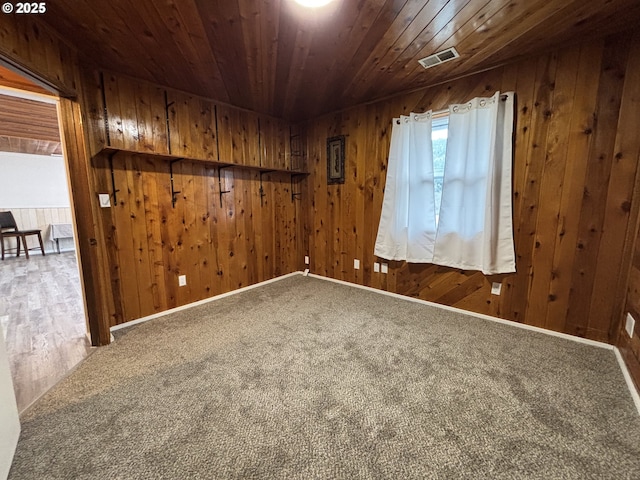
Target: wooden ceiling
275 57
27 126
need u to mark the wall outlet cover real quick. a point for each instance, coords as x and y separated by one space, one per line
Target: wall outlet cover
306 259
496 288
356 264
630 325
376 267
384 268
182 280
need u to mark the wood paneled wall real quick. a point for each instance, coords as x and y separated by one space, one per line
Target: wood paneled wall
630 273
220 242
576 157
630 346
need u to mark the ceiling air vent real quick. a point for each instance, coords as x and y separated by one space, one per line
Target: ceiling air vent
438 58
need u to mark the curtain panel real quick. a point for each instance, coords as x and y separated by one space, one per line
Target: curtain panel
475 231
407 229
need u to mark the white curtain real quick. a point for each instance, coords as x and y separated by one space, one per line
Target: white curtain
475 230
407 227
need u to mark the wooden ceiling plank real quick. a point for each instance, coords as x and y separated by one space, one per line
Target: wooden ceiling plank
473 20
410 40
245 52
151 38
28 118
221 23
319 59
511 14
85 29
288 29
118 47
480 24
251 25
536 15
187 13
199 71
581 18
297 68
354 45
269 52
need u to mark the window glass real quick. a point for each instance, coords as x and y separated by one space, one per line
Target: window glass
439 133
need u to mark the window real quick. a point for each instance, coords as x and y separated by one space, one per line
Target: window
439 134
447 196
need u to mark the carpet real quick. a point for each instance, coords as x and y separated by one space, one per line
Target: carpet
305 378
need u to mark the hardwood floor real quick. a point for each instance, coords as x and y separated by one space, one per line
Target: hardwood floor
42 315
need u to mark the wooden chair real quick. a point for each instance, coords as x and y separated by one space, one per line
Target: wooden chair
9 228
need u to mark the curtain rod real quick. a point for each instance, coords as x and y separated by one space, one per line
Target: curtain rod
445 111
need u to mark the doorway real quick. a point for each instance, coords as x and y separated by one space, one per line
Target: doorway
42 312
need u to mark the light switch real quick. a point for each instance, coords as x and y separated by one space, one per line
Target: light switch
376 267
496 288
356 264
385 268
105 200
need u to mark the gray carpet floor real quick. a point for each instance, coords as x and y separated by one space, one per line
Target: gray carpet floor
305 378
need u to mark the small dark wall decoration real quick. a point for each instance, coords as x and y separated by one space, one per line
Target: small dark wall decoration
335 160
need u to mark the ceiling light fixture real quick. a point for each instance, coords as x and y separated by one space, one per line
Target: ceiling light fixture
313 3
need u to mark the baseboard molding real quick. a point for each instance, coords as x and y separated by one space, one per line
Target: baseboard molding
623 366
482 316
627 377
199 302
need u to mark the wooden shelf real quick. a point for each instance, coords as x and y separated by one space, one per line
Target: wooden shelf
111 151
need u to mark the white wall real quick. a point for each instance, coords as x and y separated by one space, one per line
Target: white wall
32 181
34 188
9 420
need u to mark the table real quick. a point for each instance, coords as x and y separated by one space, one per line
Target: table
58 231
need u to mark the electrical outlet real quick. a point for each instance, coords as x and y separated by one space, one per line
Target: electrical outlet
630 325
376 267
306 259
496 288
384 268
182 280
356 264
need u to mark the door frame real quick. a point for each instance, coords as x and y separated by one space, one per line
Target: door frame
91 250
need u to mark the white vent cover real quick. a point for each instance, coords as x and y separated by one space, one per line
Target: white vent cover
438 58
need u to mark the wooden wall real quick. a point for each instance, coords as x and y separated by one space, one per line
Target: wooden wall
630 273
248 234
630 346
576 155
131 254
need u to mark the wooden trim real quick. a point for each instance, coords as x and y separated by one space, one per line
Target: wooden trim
90 237
56 88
